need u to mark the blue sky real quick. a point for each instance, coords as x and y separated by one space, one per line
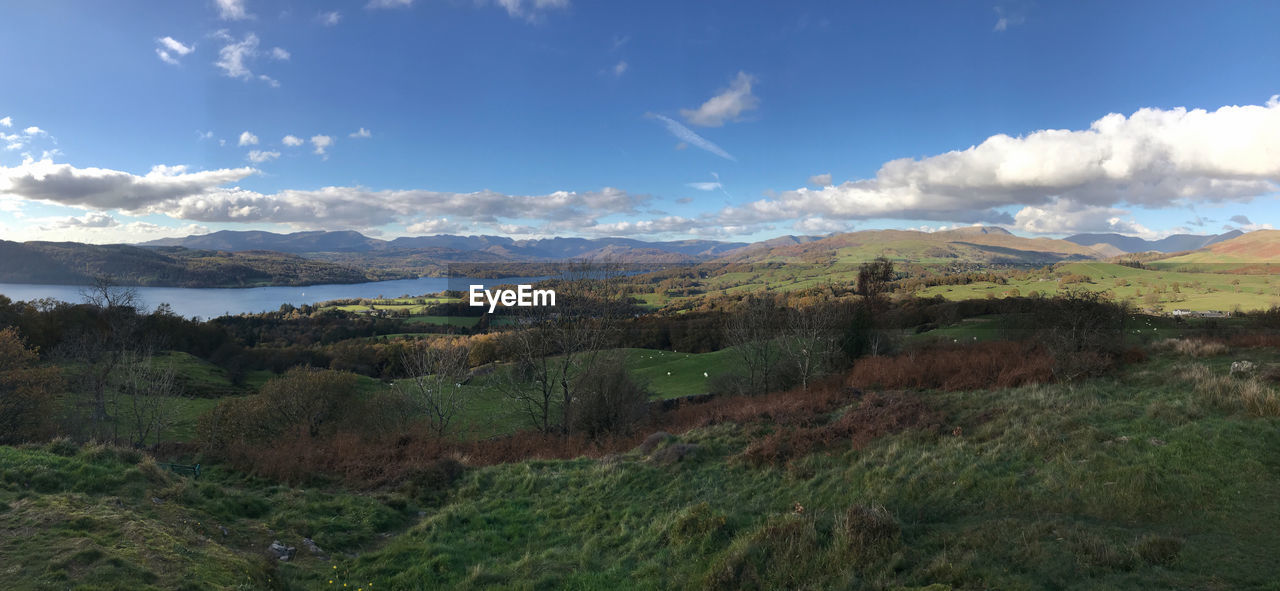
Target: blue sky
129 121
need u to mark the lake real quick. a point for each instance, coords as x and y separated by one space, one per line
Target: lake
211 302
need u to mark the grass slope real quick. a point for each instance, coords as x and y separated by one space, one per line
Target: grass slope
1069 487
1261 246
1196 291
1136 481
95 517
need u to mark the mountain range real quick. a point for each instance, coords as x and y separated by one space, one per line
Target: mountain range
237 259
1174 243
533 249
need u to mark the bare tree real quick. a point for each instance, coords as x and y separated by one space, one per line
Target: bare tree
552 345
147 399
810 340
436 377
103 343
753 331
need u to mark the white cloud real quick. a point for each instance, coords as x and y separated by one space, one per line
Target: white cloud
357 207
98 188
231 10
291 140
321 143
389 4
531 9
235 55
620 68
22 139
204 135
687 135
93 219
330 19
1154 158
112 233
6 122
818 225
709 186
1006 19
260 156
726 106
248 139
361 133
665 225
170 50
820 180
1067 217
435 226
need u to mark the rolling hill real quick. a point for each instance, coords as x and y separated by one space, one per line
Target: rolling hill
1257 247
71 263
965 245
1174 243
541 249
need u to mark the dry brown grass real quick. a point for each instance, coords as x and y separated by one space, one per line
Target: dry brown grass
1192 347
1249 394
875 416
1002 364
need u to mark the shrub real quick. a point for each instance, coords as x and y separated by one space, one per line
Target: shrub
1000 364
607 399
26 391
303 400
728 384
875 416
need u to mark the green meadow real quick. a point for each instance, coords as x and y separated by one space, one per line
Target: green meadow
1144 479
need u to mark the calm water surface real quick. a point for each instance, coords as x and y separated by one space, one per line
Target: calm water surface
209 302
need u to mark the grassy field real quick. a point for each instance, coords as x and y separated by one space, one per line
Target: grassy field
1140 480
95 517
1195 291
489 412
1068 486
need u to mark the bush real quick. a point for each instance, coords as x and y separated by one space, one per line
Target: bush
606 399
306 401
26 391
1001 364
728 384
875 416
1078 322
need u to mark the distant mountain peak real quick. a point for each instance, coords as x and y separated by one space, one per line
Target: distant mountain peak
977 230
1174 243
